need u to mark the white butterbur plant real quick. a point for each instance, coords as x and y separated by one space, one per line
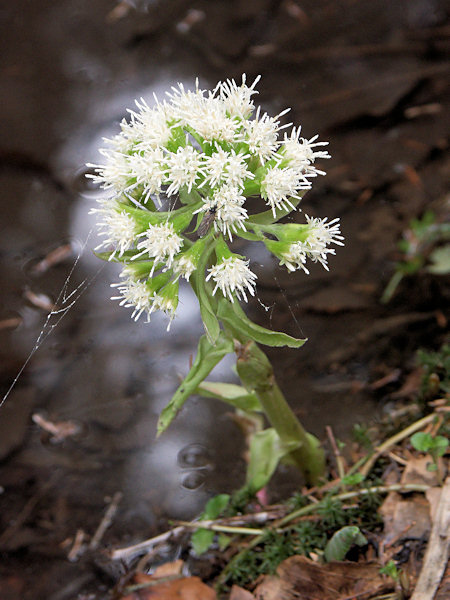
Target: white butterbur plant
186 177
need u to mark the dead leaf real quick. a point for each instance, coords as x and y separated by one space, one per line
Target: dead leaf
299 577
168 569
238 593
148 587
416 471
405 517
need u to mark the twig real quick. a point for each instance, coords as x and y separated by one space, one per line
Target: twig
131 551
225 525
106 521
59 431
214 526
340 463
77 547
398 437
437 553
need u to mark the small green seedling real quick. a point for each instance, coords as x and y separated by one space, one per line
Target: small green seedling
390 569
420 251
435 446
203 538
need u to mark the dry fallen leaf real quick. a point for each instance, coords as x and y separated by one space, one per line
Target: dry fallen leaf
238 593
298 577
148 587
416 471
405 517
168 569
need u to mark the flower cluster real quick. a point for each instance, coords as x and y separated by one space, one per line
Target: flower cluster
203 154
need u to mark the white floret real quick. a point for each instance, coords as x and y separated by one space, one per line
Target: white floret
134 294
149 170
184 167
161 243
302 153
261 134
115 174
232 276
280 185
237 99
118 227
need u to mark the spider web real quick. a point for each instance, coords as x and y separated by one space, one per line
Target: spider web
65 301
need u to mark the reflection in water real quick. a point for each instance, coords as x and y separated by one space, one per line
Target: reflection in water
193 456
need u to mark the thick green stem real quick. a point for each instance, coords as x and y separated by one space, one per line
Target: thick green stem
257 376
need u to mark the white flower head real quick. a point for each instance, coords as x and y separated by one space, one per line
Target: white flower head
160 242
316 246
184 266
261 134
184 102
149 171
227 167
150 125
118 227
114 175
237 170
237 99
136 295
165 304
233 276
211 121
184 167
216 167
279 185
230 213
295 258
320 235
203 112
302 153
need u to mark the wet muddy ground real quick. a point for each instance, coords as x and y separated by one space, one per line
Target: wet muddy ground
372 78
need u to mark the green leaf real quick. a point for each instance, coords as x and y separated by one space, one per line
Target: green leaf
390 569
440 444
246 235
208 356
230 393
215 506
353 479
233 315
266 451
422 441
342 541
188 197
203 538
